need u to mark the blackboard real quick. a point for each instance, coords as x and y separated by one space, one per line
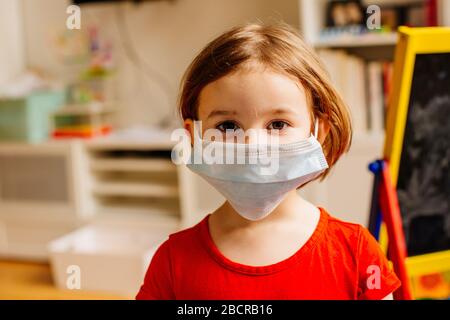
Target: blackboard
423 184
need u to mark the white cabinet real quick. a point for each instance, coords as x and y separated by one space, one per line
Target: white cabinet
46 179
133 181
43 194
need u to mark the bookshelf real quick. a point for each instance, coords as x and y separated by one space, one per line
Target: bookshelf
313 23
135 179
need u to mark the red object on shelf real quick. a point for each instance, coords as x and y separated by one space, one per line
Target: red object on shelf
82 134
431 13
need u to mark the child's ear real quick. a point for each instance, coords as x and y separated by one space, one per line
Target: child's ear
189 126
324 128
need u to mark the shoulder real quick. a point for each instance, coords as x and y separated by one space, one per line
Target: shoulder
358 249
343 230
344 226
348 240
356 241
186 240
188 234
169 262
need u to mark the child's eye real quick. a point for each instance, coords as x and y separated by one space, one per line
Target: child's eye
277 125
227 125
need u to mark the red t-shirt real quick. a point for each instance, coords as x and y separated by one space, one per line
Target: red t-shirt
339 261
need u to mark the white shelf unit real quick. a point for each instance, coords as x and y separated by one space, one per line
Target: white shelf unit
133 181
43 195
139 165
312 22
371 46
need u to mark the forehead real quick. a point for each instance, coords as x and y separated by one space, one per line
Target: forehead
255 90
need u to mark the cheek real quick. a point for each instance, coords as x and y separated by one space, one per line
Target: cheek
294 134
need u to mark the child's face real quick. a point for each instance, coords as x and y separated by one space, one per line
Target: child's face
257 99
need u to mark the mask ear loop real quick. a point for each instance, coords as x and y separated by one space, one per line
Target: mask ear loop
316 127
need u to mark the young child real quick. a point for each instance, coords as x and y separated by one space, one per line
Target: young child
265 241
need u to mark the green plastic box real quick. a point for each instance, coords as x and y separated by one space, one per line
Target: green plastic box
28 119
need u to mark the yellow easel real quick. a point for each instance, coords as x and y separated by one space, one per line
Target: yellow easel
412 41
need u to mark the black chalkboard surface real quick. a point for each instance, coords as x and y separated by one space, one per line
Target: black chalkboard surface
423 184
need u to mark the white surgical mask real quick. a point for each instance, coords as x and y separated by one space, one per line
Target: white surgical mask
254 189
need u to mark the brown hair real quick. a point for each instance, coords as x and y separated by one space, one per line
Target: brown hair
279 47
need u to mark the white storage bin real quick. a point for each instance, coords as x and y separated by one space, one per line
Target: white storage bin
110 258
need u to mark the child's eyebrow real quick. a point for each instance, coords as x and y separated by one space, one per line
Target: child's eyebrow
281 111
216 113
275 111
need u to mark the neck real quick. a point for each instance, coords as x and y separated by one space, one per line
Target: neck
290 208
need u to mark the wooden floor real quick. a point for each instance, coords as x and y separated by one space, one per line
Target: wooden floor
24 280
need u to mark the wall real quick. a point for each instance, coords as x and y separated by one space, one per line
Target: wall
444 8
166 35
12 57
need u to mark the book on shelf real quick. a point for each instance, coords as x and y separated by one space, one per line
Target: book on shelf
82 121
81 132
376 100
364 85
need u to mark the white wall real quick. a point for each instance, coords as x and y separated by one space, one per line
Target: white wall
444 8
12 56
167 35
